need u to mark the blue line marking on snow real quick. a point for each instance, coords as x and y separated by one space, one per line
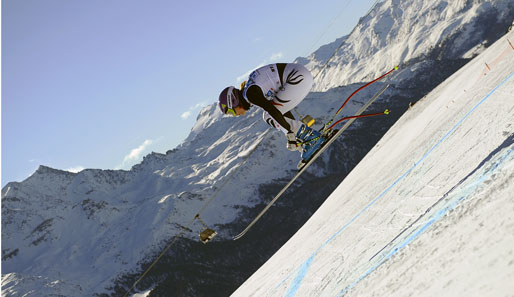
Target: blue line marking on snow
431 221
298 279
302 271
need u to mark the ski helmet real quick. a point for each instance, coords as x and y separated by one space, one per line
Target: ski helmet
229 99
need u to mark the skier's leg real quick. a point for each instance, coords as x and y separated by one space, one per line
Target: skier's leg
289 115
295 125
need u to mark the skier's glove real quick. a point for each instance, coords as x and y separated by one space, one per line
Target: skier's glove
292 145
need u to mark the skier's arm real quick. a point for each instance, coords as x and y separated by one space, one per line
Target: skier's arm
254 95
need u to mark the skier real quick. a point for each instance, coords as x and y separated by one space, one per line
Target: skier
277 89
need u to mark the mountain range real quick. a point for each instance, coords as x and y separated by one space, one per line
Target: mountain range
93 233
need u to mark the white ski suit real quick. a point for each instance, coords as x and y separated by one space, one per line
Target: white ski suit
278 88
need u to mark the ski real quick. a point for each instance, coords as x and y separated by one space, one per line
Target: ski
350 119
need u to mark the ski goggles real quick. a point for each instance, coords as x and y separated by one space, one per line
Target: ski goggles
228 110
231 111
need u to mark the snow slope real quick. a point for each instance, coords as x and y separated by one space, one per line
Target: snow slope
428 212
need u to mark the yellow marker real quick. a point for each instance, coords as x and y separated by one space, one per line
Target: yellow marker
308 120
386 111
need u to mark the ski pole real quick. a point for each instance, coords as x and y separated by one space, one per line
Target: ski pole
364 86
359 116
358 90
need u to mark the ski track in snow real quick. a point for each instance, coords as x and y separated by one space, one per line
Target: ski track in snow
460 196
305 267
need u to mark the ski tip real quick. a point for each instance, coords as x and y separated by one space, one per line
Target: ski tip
240 235
387 111
395 67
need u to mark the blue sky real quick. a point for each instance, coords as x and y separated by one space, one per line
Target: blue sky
100 84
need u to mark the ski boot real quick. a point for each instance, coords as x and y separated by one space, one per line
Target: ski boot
310 140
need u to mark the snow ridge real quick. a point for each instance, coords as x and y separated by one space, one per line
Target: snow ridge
398 32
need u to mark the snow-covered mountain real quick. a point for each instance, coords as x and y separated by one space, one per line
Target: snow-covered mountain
427 212
94 232
409 32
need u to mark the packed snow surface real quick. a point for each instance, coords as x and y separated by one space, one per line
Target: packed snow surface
428 212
